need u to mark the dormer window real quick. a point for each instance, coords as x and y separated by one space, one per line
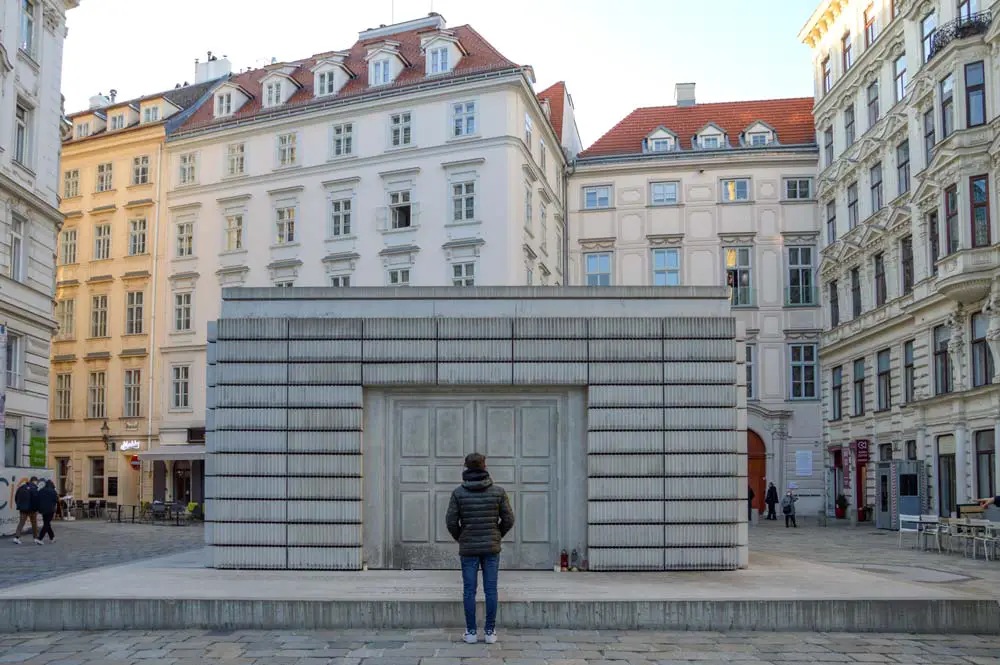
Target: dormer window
272 94
709 142
439 60
381 72
83 130
758 138
223 104
325 84
151 114
661 145
118 121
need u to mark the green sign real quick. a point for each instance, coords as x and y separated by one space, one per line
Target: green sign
36 449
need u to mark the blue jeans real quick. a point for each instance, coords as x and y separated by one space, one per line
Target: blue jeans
470 578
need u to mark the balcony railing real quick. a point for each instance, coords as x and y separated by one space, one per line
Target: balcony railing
801 296
961 28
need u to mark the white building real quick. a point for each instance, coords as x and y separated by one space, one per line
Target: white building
906 107
717 194
418 156
31 48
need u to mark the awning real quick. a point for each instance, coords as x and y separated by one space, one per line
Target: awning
162 453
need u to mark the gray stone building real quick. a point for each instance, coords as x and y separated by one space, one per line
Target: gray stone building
339 418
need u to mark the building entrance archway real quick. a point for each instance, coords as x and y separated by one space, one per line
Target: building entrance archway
757 468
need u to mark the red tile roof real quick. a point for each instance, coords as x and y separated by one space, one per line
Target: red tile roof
480 57
555 95
791 118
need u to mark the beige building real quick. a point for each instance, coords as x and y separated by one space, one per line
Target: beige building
717 194
906 107
101 372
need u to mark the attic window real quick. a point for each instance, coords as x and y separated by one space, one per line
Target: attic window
661 145
118 121
151 114
223 104
272 94
324 84
709 142
83 130
439 60
758 138
381 71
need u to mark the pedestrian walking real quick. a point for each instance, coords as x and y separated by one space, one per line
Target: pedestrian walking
771 499
788 508
750 496
48 503
479 516
26 502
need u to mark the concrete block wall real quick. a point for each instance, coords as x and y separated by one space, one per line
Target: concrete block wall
665 443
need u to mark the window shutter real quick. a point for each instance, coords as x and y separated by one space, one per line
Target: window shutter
414 212
382 218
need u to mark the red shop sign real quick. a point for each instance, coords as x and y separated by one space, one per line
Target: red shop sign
135 463
861 452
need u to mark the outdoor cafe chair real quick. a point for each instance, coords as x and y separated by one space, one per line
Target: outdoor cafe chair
930 527
909 524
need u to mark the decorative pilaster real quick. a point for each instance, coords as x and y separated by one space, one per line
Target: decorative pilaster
956 348
992 310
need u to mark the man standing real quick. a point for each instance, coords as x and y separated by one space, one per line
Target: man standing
479 516
771 499
26 501
788 508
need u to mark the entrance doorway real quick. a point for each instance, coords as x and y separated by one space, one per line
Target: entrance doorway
757 468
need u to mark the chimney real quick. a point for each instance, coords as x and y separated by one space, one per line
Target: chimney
114 93
99 101
213 68
684 94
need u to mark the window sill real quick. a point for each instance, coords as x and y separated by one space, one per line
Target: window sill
180 259
286 167
597 209
333 159
465 222
72 198
69 265
28 58
402 148
235 176
136 185
803 399
527 232
104 191
101 260
185 410
135 334
403 229
800 201
802 305
286 245
743 306
342 238
227 252
23 167
93 338
141 255
885 410
182 332
736 203
187 185
464 137
675 204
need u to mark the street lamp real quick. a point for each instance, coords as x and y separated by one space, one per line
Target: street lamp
105 434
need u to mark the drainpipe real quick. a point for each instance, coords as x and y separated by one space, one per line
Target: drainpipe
570 170
152 310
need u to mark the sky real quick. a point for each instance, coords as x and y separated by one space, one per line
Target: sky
615 55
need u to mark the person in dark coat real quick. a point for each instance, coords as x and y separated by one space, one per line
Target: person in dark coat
26 502
479 516
750 496
771 499
48 503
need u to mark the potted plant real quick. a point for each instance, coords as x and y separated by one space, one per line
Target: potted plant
841 510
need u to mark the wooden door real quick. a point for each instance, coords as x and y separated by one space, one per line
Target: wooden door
757 468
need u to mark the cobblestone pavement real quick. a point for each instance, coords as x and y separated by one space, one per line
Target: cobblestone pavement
91 544
439 647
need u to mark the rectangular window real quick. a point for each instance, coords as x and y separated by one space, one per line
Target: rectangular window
343 139
855 292
543 227
849 132
899 77
903 167
828 145
22 134
798 189
875 178
463 201
966 9
188 168
133 312
880 285
982 359
710 142
852 205
663 193
99 316
598 268
105 180
847 51
831 222
235 159
340 217
273 94
463 119
83 130
884 386
759 138
234 232
751 366
400 129
14 361
66 319
929 139
739 276
399 277
667 267
181 392
947 107
400 210
224 104
463 274
834 288
102 242
132 393
837 393
871 26
911 449
185 239
287 149
800 276
906 261
942 364
151 114
979 194
804 367
827 75
909 373
71 183
859 387
137 236
951 219
182 312
18 227
381 74
96 395
885 452
140 170
63 397
935 240
986 482
528 129
439 60
96 477
873 106
661 145
927 26
340 280
737 189
975 94
596 197
27 43
284 222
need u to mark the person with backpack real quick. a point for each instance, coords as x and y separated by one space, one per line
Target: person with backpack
48 502
26 502
479 516
788 508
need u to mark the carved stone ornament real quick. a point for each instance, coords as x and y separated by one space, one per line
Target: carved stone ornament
992 310
737 238
52 18
591 244
956 345
779 429
666 240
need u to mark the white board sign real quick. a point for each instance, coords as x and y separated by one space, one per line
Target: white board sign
803 463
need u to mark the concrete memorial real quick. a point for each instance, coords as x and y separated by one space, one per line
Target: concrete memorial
338 420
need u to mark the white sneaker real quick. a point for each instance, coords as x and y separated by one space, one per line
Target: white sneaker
491 637
470 638
37 541
17 541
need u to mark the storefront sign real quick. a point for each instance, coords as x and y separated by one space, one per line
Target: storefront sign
130 445
861 451
135 463
36 446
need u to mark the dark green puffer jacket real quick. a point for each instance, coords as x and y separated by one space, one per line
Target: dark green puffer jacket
479 514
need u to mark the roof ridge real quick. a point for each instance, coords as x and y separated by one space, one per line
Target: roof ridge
729 103
486 42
